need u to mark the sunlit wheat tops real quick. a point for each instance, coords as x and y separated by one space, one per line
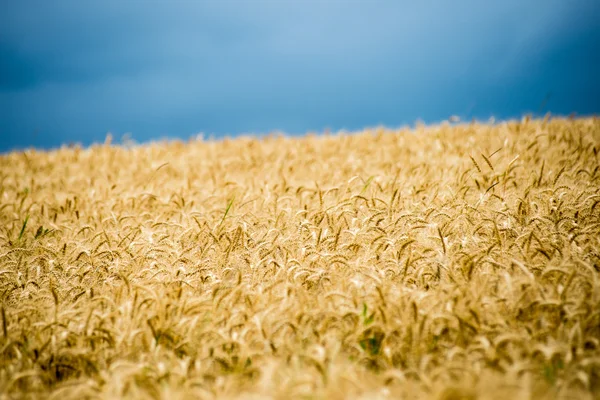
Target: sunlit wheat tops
446 262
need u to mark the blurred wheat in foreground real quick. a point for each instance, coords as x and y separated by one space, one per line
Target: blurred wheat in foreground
446 262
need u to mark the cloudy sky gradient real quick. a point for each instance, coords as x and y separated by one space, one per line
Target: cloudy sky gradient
71 71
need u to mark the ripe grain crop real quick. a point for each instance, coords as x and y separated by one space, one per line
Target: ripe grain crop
443 262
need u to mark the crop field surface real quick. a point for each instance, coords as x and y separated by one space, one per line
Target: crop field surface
441 262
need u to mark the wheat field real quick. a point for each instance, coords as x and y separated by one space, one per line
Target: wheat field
440 262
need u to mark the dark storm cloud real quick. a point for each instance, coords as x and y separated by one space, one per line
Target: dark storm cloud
73 70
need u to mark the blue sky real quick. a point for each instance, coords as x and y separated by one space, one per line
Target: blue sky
71 71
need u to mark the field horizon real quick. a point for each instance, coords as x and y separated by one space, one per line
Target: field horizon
447 261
